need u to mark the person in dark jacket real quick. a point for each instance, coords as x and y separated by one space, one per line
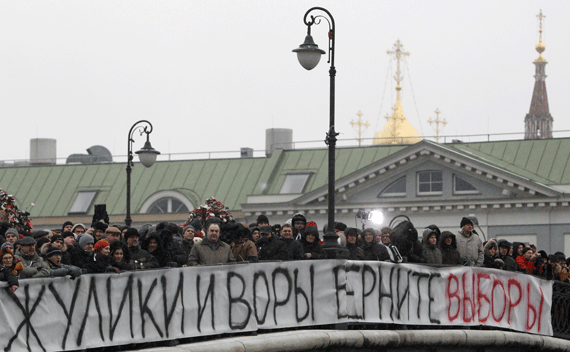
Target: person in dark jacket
140 259
53 258
172 244
356 253
431 236
6 275
294 247
312 249
504 248
120 256
243 248
270 247
101 260
517 249
448 246
68 247
188 234
154 246
372 249
491 259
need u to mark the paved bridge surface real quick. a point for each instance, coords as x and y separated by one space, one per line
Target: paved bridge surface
378 340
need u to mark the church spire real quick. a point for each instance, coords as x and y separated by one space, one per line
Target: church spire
538 121
398 129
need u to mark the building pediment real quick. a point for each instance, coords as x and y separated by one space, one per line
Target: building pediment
491 185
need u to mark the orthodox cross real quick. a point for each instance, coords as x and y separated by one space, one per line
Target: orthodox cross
398 53
540 18
360 124
437 122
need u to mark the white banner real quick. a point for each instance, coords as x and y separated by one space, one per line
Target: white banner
110 309
423 295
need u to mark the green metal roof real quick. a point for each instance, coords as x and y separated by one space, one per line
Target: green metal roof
315 161
546 161
53 189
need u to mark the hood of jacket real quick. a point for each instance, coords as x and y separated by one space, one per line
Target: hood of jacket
428 231
490 244
444 236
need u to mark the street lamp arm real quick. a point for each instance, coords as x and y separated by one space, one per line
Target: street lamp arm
142 129
316 20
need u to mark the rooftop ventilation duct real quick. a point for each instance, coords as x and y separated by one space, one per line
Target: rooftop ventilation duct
97 154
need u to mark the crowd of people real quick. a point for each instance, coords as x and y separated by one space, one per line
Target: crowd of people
77 249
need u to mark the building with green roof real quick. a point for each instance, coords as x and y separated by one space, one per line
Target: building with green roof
516 189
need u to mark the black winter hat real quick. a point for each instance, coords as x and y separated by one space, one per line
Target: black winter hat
312 230
41 242
52 250
56 238
465 221
98 225
65 224
39 234
340 226
131 232
196 224
66 234
526 249
262 219
298 217
504 243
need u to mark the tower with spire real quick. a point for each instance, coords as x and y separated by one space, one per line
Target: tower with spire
398 129
538 121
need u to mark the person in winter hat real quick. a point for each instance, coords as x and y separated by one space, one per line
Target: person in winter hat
356 253
312 249
53 258
504 247
492 259
34 265
431 236
448 246
469 244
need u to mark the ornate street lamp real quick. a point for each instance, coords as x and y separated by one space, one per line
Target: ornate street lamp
147 156
309 56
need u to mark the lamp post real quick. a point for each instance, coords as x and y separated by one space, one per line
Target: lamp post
147 156
309 56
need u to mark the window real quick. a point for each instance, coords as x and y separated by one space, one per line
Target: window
167 205
294 183
430 182
395 189
82 202
164 202
460 186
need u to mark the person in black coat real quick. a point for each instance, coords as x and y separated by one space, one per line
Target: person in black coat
504 248
187 243
312 249
140 259
372 249
356 253
270 247
153 244
448 246
101 260
120 256
294 247
6 275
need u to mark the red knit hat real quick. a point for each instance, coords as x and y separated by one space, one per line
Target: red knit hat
312 223
100 245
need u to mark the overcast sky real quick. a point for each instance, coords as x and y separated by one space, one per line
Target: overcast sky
214 75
